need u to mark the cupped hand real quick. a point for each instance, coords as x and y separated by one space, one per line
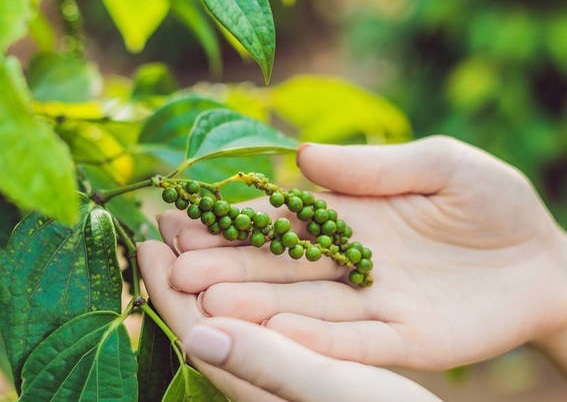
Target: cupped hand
468 263
251 363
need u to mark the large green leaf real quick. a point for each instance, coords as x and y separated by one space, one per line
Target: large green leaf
137 22
37 165
172 122
13 17
9 218
50 273
157 363
251 23
223 133
190 13
64 78
191 386
87 359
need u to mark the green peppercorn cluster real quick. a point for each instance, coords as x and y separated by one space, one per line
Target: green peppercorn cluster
331 235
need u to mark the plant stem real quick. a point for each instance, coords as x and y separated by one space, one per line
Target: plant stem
131 255
175 342
103 196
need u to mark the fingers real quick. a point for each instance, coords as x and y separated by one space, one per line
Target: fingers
257 302
420 167
178 309
288 370
197 270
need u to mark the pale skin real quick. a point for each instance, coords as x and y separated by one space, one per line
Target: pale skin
468 265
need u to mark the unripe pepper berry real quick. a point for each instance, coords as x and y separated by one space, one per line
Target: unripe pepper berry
296 252
321 215
208 218
181 203
206 203
169 195
257 239
353 254
242 222
221 208
225 222
276 247
194 212
277 199
230 233
313 253
282 225
192 187
261 220
290 239
356 277
295 204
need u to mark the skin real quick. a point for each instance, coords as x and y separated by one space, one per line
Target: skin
468 261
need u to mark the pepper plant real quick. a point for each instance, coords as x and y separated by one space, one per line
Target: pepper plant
76 151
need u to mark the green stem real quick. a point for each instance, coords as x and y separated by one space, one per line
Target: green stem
175 342
131 255
103 196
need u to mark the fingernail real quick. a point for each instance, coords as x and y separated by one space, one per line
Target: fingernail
208 344
301 147
200 305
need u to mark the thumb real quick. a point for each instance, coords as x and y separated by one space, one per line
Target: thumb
418 167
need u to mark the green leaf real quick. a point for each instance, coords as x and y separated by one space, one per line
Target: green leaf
9 217
252 25
157 363
192 16
39 169
172 122
191 386
137 23
41 31
64 78
51 273
222 133
153 79
333 110
87 359
13 17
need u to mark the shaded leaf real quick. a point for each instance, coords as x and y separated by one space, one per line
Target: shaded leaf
157 363
63 78
329 109
38 166
137 23
88 358
9 217
190 385
222 133
153 79
13 17
251 23
51 273
172 122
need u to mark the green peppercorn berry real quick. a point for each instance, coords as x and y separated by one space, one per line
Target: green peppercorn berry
353 255
313 253
314 228
321 215
277 247
181 203
341 226
325 241
242 222
307 198
306 213
364 265
208 218
277 199
282 225
332 214
221 208
234 211
193 211
248 212
230 233
261 220
192 187
320 204
243 234
206 203
257 239
356 277
366 253
296 252
169 195
225 222
348 232
329 228
368 281
214 228
294 204
356 244
295 192
290 239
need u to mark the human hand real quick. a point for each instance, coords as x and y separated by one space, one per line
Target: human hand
468 262
248 362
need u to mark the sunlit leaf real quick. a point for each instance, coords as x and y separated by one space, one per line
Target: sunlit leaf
153 79
137 22
222 133
39 172
252 24
51 273
189 385
41 31
87 359
327 109
13 17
